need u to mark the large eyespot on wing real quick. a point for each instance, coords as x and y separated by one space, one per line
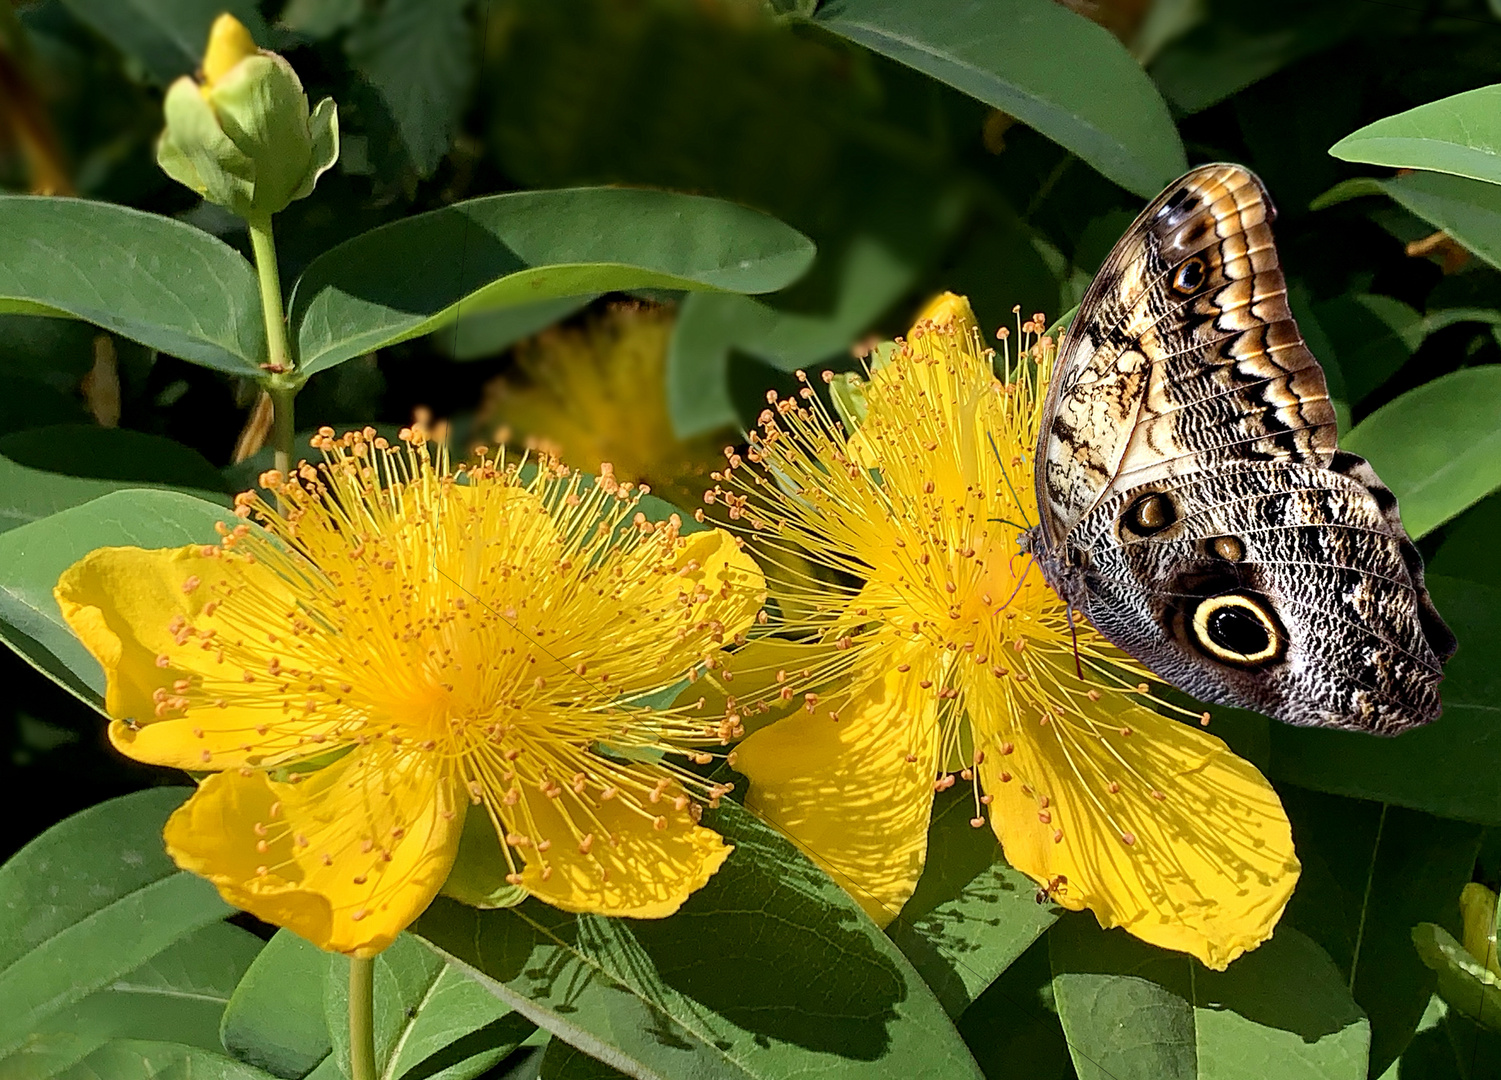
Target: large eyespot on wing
1238 628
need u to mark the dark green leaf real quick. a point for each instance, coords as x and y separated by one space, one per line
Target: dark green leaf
89 900
167 36
1013 1027
1448 768
1459 134
275 1021
1437 447
769 970
972 914
1431 1055
412 276
1371 873
474 337
1469 546
431 1019
1280 1011
1371 335
1468 210
1006 53
154 280
33 556
419 55
176 996
44 470
563 1062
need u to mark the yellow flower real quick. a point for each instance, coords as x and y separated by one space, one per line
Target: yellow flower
598 393
947 654
398 645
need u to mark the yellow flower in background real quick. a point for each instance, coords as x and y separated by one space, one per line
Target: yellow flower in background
946 658
598 393
399 645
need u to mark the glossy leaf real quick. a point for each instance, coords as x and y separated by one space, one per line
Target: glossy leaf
1459 134
44 470
768 971
177 996
431 1018
166 36
1371 873
88 901
1449 767
972 914
414 275
1099 104
1468 210
1281 1010
33 556
1437 447
149 278
274 1020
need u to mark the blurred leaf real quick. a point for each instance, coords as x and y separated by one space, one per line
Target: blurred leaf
431 1019
1013 1027
167 36
1370 873
1438 447
1281 1007
1464 982
1469 547
1431 1055
1459 135
474 337
146 277
1468 210
88 901
1449 767
419 55
1100 104
176 996
411 277
274 1020
1372 337
44 470
769 971
319 19
130 1059
33 556
972 915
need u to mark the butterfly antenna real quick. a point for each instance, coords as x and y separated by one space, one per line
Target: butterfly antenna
1073 633
1006 476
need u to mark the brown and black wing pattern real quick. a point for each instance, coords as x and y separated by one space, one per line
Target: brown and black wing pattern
1194 504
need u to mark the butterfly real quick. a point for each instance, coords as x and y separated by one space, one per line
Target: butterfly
1193 504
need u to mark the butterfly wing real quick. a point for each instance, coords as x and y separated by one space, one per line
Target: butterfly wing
1192 497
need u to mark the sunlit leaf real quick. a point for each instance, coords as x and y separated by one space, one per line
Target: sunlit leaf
1459 134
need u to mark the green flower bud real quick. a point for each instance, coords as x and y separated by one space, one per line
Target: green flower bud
244 137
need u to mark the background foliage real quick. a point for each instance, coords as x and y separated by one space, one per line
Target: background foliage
995 148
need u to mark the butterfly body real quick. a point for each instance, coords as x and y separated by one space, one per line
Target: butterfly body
1194 505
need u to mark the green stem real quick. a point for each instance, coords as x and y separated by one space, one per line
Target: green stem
279 350
361 1019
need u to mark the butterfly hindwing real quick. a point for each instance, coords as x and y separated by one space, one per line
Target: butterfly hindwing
1194 504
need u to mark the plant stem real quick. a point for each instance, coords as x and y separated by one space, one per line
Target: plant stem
279 350
361 1019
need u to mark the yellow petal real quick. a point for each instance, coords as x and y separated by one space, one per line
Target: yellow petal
346 857
947 308
228 43
129 607
716 561
631 867
845 790
1206 868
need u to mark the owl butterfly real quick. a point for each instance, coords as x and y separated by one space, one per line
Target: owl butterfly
1193 503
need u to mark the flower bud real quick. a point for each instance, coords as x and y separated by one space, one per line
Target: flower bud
243 137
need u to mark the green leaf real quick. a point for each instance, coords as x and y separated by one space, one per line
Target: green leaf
1469 546
412 276
1437 447
1449 767
1013 1026
1464 983
1459 135
167 36
474 337
1370 873
176 996
431 1018
972 914
1431 1055
1281 1010
33 556
1372 337
152 279
563 1062
92 898
129 1059
1006 53
419 56
274 1020
1468 210
768 971
44 470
